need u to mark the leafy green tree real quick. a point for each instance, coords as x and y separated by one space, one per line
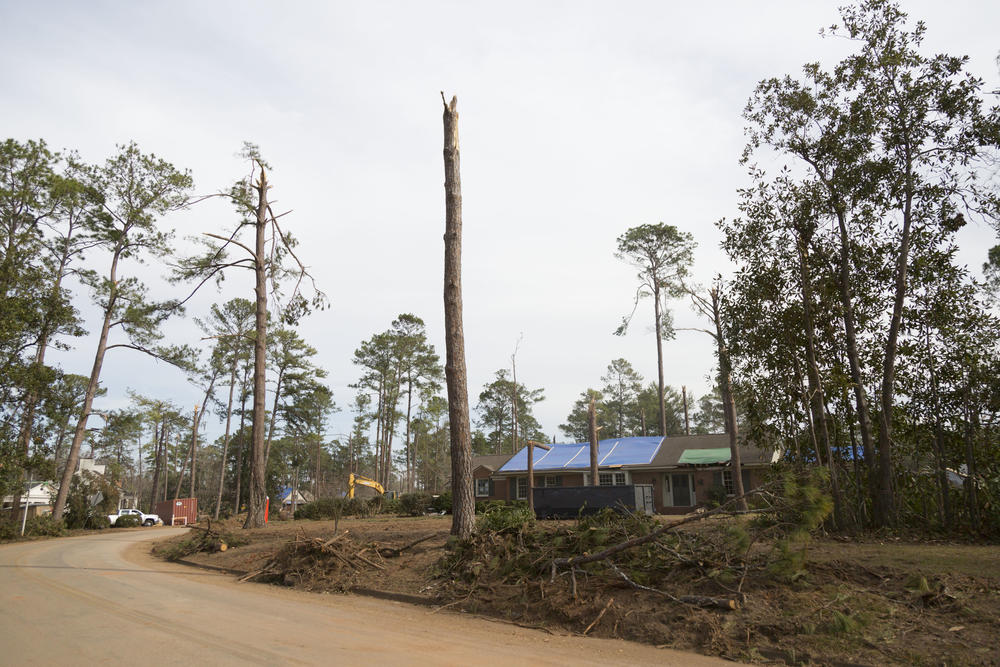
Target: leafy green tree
42 204
576 426
663 255
711 416
895 142
231 326
136 189
293 369
396 362
419 371
306 413
496 412
622 385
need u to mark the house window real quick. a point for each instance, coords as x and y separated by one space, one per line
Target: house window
552 480
725 479
610 479
522 488
483 487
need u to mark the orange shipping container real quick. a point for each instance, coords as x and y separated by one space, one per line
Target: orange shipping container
178 512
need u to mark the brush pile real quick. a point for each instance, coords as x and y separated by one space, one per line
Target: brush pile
200 539
521 559
320 563
696 568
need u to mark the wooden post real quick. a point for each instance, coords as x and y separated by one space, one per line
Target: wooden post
531 444
592 414
687 423
464 507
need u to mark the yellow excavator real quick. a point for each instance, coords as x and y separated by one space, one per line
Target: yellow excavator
354 480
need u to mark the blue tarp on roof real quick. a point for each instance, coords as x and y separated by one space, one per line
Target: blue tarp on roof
610 453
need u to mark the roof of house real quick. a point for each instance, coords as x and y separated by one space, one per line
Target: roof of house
653 451
706 450
285 495
491 462
611 453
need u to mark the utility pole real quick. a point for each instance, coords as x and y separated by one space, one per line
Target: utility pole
684 398
531 472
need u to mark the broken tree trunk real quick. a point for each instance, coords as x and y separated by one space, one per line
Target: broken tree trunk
256 492
464 508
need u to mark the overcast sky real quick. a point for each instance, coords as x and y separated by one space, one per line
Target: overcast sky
577 121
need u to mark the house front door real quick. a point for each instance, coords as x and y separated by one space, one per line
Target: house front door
680 485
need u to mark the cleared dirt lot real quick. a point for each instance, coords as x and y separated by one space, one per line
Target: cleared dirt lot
858 602
102 599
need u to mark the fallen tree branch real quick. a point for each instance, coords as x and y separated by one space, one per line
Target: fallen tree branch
624 546
392 552
599 616
727 604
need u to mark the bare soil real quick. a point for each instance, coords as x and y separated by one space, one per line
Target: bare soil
864 602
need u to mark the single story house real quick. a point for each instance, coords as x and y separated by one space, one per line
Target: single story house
681 469
486 485
287 499
37 499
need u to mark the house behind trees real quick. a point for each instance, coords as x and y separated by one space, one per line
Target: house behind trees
685 472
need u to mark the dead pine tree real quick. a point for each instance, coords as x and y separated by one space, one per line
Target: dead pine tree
267 255
463 503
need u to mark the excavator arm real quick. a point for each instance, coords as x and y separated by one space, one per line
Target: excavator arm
354 480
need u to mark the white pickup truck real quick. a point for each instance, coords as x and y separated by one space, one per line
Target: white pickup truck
144 519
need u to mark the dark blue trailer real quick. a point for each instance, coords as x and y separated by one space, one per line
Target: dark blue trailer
568 502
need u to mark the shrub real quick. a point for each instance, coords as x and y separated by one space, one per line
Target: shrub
442 503
128 521
331 508
321 508
505 518
9 530
414 504
83 490
383 505
43 526
716 495
484 506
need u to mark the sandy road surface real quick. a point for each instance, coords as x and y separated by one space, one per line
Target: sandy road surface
102 599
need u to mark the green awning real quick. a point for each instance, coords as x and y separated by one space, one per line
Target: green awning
701 457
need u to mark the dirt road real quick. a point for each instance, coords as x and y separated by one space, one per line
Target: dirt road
102 599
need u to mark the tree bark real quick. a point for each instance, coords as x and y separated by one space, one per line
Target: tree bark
513 407
274 412
816 397
659 357
886 500
240 446
853 357
31 401
159 434
726 387
257 492
972 492
463 516
594 442
88 401
947 521
225 438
